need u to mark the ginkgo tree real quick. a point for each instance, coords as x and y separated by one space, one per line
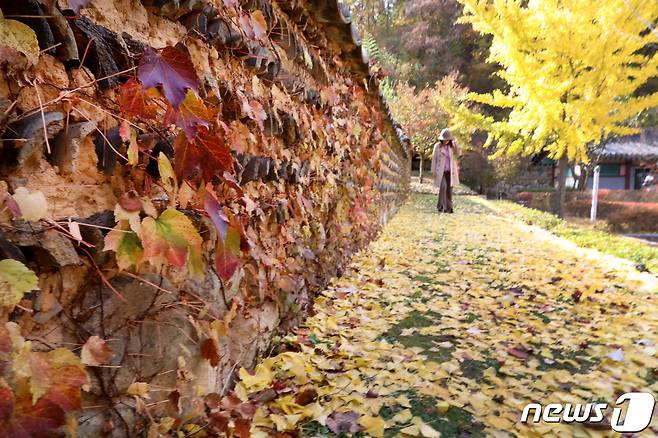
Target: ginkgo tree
572 68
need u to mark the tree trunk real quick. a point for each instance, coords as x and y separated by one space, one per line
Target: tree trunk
420 172
560 195
584 176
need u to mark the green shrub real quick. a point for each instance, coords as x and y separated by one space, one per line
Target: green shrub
618 246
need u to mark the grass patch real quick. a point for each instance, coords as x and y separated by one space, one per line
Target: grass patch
564 360
605 242
452 423
428 342
474 369
414 319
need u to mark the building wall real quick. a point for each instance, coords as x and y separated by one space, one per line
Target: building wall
314 167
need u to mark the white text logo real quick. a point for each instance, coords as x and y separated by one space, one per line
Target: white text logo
638 412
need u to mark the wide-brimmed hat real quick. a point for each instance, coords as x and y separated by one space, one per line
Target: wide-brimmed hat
446 135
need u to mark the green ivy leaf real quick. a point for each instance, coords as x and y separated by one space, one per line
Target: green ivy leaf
172 239
15 281
126 244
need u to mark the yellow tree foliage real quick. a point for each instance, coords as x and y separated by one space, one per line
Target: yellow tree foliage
572 67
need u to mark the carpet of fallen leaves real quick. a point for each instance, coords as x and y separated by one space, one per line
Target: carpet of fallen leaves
449 324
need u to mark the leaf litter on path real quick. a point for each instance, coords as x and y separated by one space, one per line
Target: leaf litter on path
451 325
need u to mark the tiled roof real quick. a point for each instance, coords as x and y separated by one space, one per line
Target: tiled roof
643 146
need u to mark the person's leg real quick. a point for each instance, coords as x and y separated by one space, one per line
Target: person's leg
448 204
442 202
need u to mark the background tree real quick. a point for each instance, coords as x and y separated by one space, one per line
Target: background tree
573 68
424 42
422 113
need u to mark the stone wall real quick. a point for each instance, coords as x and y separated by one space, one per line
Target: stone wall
317 166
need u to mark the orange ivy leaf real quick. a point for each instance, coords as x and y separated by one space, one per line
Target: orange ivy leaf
172 239
192 113
39 389
95 352
258 24
216 156
133 101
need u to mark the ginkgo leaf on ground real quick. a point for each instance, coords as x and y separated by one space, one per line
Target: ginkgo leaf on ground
170 68
15 281
260 379
172 239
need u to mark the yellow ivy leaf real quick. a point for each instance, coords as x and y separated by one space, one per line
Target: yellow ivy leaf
19 37
15 281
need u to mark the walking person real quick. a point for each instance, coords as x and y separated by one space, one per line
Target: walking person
445 169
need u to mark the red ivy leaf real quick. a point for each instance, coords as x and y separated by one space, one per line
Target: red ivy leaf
210 351
216 213
242 428
132 100
191 113
520 352
215 155
186 160
6 402
227 254
171 68
130 203
207 152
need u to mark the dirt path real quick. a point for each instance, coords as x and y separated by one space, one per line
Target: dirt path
450 324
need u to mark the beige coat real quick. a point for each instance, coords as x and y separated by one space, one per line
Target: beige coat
438 162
